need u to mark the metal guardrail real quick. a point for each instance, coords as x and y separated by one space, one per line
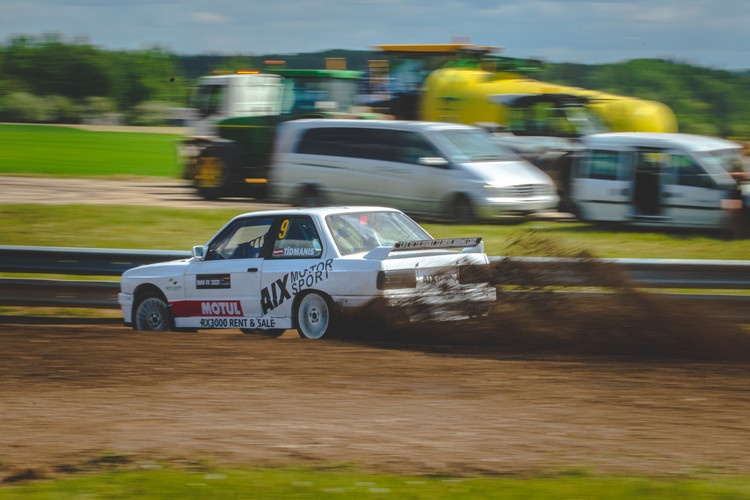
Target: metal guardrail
644 273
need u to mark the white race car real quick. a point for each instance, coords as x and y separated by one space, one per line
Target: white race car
265 272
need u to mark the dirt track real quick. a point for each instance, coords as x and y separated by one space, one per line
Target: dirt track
499 403
70 393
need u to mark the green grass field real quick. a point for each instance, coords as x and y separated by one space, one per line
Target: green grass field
180 229
70 152
270 483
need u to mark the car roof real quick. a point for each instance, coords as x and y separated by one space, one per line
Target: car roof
317 211
386 124
689 142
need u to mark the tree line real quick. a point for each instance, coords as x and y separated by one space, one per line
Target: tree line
48 79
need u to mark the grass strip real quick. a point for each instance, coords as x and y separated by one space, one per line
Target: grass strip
156 483
71 152
152 228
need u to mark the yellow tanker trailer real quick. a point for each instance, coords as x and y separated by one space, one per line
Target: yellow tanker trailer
462 95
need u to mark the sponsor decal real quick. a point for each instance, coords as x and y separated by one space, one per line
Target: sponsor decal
173 285
186 308
443 243
205 281
292 283
238 323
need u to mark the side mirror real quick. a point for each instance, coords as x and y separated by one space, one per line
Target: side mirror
433 161
199 252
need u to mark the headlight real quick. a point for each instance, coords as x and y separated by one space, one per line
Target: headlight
399 278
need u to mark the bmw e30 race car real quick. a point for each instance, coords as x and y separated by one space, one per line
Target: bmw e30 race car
265 272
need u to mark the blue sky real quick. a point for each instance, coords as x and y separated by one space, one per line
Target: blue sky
708 33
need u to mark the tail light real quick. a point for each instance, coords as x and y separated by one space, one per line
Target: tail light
398 278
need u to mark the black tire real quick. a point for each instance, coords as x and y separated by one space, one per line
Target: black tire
314 316
462 212
152 314
311 198
272 333
218 169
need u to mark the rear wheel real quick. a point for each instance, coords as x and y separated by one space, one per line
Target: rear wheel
152 314
314 316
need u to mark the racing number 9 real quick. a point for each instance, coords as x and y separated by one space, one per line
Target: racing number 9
284 228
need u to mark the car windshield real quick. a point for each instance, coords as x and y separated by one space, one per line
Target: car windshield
364 231
473 145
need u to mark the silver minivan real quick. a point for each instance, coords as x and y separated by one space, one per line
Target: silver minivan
424 168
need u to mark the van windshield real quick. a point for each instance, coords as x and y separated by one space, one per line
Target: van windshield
728 160
473 145
365 231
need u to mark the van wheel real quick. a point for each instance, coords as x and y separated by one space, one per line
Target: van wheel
461 211
311 198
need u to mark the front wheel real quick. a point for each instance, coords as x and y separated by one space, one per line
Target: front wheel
462 212
152 314
314 316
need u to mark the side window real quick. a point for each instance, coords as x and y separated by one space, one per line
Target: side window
688 173
372 144
603 164
322 141
242 240
412 147
296 238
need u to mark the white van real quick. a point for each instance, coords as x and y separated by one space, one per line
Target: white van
657 179
434 169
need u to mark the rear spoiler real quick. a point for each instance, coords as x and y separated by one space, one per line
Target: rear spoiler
470 245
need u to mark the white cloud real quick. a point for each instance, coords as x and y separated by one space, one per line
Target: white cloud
208 18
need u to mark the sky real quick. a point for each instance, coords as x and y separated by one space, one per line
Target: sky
701 32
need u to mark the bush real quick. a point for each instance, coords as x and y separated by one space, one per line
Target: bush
62 109
100 111
153 113
23 107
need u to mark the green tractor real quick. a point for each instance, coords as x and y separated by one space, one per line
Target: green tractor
235 116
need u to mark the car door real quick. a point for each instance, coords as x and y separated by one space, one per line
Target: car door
223 290
690 196
292 265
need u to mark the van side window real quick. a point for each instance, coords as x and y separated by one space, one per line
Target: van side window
412 147
688 172
351 142
322 141
603 164
371 143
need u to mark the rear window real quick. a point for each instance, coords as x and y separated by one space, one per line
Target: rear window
365 231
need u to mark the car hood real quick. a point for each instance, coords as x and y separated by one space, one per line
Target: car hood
507 173
171 268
